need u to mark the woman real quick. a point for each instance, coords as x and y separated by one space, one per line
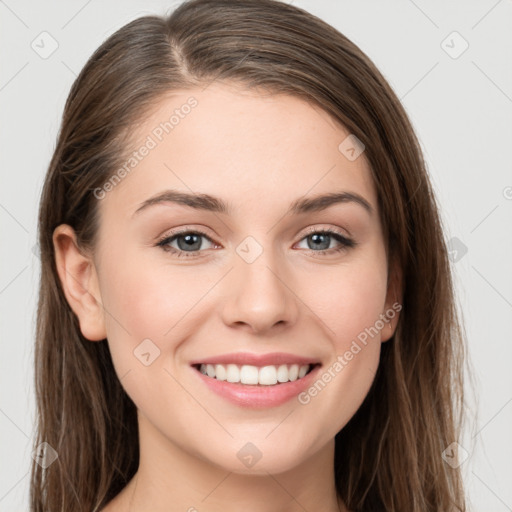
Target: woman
246 300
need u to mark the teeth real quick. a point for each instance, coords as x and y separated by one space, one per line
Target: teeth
254 375
220 372
293 372
232 373
249 374
268 375
282 373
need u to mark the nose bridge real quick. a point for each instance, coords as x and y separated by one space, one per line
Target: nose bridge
258 293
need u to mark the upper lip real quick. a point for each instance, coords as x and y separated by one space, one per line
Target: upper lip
242 358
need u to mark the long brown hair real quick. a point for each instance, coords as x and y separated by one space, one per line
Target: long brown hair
388 457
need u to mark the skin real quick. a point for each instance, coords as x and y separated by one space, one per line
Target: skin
258 152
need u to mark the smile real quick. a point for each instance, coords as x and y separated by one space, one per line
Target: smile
256 380
253 375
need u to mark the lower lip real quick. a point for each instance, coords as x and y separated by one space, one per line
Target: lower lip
258 396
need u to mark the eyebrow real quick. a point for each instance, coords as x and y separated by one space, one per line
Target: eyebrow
210 203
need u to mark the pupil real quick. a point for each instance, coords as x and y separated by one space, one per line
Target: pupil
190 240
317 238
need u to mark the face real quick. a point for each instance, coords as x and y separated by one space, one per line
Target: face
258 282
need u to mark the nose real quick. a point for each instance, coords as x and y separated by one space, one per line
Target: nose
260 296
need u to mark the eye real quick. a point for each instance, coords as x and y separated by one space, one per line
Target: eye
319 241
189 243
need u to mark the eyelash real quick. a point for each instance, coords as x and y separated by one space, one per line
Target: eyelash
345 243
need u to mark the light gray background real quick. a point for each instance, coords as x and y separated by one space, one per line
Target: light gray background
461 109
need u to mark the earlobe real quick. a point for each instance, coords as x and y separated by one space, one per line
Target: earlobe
79 281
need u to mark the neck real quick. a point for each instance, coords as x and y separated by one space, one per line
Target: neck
169 478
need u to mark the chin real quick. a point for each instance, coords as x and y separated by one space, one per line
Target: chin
260 456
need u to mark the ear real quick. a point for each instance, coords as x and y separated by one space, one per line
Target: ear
393 304
79 281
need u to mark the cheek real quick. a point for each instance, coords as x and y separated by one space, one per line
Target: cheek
349 302
149 297
155 302
146 308
350 299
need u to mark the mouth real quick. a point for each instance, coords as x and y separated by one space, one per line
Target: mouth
250 375
257 381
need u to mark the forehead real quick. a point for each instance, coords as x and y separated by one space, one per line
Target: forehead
254 149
